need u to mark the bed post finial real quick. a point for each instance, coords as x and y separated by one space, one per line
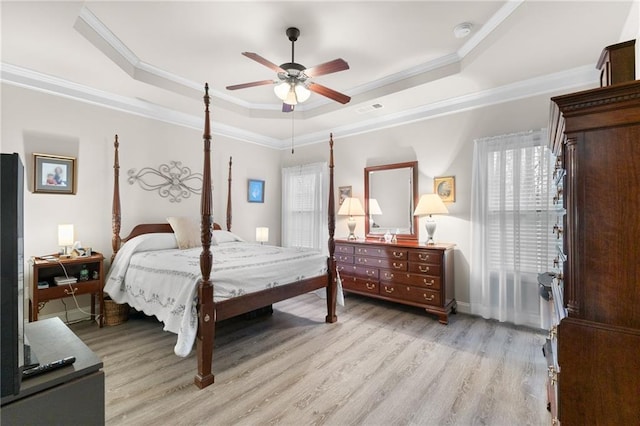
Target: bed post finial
206 310
115 206
331 262
229 197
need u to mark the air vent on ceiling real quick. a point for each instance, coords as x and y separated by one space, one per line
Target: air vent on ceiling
368 108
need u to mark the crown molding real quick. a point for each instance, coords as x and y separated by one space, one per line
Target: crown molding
565 80
569 80
100 36
34 80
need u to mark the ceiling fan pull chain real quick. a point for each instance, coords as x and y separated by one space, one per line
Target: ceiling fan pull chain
292 113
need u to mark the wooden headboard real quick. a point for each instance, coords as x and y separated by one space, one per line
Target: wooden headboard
154 228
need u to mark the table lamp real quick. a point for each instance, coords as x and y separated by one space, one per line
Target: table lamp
262 234
351 207
65 237
374 208
428 205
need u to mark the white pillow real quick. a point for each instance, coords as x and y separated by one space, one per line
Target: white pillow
221 237
186 230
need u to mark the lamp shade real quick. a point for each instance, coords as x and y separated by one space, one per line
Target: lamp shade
282 90
302 93
374 207
291 93
430 204
351 207
65 235
262 234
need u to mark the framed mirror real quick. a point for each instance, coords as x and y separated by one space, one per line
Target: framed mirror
390 197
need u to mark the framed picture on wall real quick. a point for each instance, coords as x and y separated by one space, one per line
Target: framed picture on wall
445 187
255 191
344 192
54 174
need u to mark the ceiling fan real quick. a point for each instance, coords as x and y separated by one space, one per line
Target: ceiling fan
293 84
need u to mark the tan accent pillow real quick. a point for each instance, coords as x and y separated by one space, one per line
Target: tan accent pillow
187 231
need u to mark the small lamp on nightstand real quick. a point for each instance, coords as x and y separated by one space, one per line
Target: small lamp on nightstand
428 205
65 237
262 234
351 207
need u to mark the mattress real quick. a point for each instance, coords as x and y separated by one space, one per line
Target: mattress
153 276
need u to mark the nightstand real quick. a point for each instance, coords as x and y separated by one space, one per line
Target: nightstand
44 288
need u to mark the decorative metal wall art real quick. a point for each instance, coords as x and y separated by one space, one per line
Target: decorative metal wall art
173 181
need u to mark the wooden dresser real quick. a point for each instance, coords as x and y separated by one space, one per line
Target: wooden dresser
404 272
596 135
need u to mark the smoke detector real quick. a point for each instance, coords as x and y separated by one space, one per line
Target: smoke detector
462 30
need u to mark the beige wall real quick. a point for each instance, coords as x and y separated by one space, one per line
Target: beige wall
442 146
33 121
37 122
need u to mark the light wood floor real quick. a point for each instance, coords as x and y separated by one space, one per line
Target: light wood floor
381 364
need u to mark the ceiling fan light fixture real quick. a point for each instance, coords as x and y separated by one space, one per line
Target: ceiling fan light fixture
302 93
282 90
291 98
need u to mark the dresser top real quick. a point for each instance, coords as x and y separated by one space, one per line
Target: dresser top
404 244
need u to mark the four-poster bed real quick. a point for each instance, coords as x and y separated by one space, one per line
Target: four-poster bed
205 308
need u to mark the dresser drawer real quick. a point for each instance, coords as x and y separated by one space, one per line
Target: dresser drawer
424 268
359 271
344 258
380 262
412 294
424 281
390 252
425 256
360 284
340 249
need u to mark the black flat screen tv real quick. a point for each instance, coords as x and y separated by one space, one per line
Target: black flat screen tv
11 273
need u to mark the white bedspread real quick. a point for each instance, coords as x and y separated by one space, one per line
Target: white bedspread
162 281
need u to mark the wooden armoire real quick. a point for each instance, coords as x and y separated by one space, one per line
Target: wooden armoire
596 136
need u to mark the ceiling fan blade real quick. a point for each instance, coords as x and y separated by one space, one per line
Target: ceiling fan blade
327 68
252 84
329 93
287 107
263 61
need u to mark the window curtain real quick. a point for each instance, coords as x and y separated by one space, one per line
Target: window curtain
512 218
304 206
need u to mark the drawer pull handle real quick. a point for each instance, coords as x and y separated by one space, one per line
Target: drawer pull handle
422 256
429 283
370 286
388 290
370 273
428 299
388 276
397 255
340 269
397 265
73 290
423 268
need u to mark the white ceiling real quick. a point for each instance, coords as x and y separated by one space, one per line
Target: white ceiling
153 57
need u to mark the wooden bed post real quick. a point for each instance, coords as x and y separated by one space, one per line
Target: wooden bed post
115 206
229 198
331 262
206 311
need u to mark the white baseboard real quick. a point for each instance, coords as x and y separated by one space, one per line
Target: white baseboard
464 307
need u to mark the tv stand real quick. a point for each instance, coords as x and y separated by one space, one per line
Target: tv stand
70 395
